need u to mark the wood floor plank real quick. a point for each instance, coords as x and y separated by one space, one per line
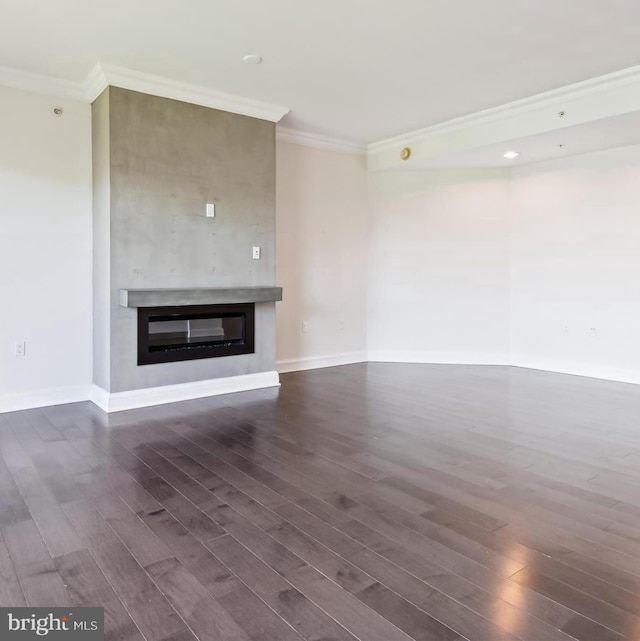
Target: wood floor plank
407 585
610 616
205 617
348 610
305 617
143 544
12 505
150 609
462 584
34 566
554 568
37 498
88 587
11 593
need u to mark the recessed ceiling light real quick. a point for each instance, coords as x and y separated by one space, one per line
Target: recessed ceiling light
510 155
252 59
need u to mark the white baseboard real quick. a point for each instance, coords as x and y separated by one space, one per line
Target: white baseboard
133 399
317 362
577 369
43 398
437 358
172 393
515 360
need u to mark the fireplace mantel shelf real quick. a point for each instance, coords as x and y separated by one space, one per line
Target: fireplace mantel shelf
198 296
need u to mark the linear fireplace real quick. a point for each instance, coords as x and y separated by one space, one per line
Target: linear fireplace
167 334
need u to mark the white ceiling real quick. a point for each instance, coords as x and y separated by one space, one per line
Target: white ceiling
360 70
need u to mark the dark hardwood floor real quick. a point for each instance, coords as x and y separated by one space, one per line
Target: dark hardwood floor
378 502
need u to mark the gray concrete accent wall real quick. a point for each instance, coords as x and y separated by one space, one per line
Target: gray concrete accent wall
167 160
101 241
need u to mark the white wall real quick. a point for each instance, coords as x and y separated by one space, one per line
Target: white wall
439 266
536 267
321 256
45 249
575 264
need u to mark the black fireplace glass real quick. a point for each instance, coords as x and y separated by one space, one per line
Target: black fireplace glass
194 331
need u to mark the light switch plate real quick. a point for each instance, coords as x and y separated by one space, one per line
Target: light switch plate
211 210
256 253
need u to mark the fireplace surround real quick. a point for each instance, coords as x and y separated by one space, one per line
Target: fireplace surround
152 236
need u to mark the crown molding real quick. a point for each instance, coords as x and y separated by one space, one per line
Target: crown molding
567 94
104 75
317 141
94 84
18 79
602 97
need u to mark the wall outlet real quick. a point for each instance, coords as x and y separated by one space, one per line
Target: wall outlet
256 253
305 327
20 348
